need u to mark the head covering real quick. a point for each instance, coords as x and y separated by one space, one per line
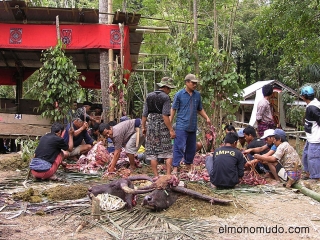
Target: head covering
306 91
240 132
166 81
124 118
268 133
87 103
192 78
87 119
280 132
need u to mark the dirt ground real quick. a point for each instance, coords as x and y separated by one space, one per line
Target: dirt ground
53 210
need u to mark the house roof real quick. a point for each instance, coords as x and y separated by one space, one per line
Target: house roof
20 12
251 90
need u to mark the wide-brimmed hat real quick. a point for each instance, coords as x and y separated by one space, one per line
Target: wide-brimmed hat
192 78
166 81
268 133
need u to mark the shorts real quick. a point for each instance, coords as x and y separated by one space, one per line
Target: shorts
282 173
75 151
131 144
161 155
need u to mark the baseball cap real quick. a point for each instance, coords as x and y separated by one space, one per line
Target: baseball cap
268 133
240 132
307 90
124 118
192 78
280 132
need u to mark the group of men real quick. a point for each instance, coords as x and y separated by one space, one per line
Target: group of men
271 153
156 129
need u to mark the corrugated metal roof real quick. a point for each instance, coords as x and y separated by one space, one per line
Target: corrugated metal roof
251 90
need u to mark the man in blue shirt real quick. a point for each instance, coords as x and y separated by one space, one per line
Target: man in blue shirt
187 103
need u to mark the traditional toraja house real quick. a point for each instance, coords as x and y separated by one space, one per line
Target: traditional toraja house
253 94
26 31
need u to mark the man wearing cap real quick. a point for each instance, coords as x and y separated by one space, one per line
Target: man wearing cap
311 151
264 111
80 126
125 134
84 110
241 144
159 130
268 136
187 103
285 163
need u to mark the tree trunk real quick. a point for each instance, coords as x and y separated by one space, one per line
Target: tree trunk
195 37
104 66
215 20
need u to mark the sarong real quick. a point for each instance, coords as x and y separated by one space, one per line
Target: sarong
158 136
262 126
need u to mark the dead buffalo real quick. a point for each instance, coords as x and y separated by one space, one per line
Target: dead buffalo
164 195
122 188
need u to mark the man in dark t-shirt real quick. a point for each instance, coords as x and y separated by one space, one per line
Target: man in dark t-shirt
50 152
253 142
226 166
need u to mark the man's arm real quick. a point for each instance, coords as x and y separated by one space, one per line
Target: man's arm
205 116
256 150
143 125
172 113
167 122
116 155
79 130
71 132
265 158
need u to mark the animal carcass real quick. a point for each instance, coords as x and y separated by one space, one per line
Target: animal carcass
164 195
122 188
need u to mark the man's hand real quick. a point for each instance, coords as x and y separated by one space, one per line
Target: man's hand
247 151
85 126
144 131
208 121
71 131
172 134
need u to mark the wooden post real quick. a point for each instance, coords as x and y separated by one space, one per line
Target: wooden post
111 100
104 68
58 28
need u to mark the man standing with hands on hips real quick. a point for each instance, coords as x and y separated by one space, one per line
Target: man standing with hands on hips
187 103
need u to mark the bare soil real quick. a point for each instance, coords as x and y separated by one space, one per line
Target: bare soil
261 212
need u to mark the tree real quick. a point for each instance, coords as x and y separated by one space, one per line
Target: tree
57 83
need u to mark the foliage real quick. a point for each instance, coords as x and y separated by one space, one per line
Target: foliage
57 82
292 28
28 147
294 113
221 87
7 91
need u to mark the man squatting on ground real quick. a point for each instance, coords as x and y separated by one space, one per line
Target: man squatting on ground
311 151
50 152
80 126
159 131
264 111
285 162
226 166
123 134
187 103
